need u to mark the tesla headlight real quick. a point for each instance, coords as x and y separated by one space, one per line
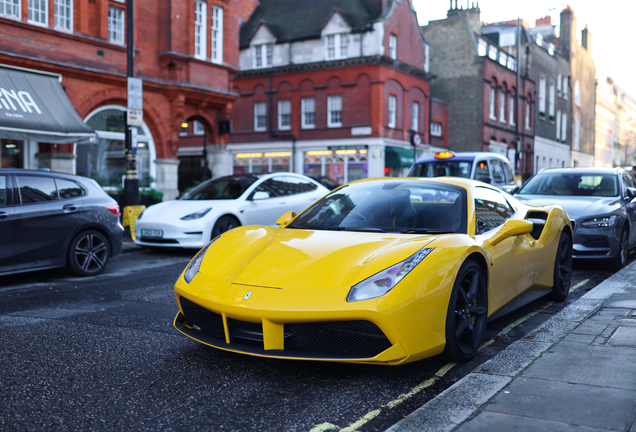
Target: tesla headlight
600 222
193 268
197 215
384 281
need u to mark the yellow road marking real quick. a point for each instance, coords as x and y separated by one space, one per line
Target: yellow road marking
429 382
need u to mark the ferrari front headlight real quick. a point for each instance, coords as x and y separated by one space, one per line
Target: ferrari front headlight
193 268
384 281
600 222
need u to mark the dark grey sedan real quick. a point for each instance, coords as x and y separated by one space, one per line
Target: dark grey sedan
602 203
52 220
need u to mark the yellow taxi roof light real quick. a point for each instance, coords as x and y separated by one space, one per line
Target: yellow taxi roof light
444 155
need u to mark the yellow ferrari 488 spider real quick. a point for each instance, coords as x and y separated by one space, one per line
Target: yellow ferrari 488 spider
384 271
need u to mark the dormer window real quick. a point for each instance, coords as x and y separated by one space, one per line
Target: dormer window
336 46
263 55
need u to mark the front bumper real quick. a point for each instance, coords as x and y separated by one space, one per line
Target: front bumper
596 243
190 237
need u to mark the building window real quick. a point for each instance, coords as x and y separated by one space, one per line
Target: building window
528 116
559 83
436 129
260 116
392 109
491 111
576 136
63 14
308 112
263 55
577 93
334 108
551 102
542 97
564 127
284 114
511 108
502 107
558 125
565 87
10 8
393 46
482 48
415 117
38 11
427 53
336 46
217 34
115 25
200 14
492 52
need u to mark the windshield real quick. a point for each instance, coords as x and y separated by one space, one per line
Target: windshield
416 207
441 168
571 184
230 187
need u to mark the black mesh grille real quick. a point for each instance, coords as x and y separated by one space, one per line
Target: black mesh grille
337 338
245 333
596 243
206 320
158 240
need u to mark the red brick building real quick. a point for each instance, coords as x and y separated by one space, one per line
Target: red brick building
186 52
333 89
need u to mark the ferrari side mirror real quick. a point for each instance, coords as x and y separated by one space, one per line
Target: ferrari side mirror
286 219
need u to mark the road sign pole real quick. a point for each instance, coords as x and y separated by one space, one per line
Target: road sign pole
131 182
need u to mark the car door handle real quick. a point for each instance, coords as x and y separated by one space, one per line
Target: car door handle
3 215
69 208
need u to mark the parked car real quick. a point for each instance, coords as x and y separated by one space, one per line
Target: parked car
221 204
487 167
384 271
52 220
600 200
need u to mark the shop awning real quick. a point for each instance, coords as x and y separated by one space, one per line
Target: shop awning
34 107
397 157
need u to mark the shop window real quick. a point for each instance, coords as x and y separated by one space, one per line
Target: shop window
115 25
200 14
12 154
261 163
217 34
339 166
63 15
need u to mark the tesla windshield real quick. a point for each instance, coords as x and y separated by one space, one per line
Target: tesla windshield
572 184
230 187
415 207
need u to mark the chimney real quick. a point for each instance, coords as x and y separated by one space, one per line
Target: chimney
546 20
567 37
586 40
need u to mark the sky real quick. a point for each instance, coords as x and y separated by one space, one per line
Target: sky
611 23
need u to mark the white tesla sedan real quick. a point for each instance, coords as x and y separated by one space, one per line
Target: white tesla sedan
221 204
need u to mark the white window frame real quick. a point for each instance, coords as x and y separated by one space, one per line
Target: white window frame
393 46
577 93
551 102
564 126
436 129
284 114
492 101
14 7
415 116
528 125
308 111
542 90
392 111
260 111
63 15
511 110
427 53
200 32
116 24
565 87
559 84
197 128
558 125
38 12
336 46
263 55
217 35
334 110
502 106
576 134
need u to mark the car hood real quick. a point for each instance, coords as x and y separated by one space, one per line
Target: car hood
176 209
576 207
295 259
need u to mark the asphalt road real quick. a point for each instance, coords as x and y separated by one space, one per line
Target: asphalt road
101 354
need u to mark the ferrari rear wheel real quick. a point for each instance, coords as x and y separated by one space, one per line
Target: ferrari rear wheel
562 269
225 223
467 314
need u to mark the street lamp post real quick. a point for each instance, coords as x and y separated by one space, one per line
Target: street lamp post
131 181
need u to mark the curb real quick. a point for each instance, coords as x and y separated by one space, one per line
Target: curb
463 399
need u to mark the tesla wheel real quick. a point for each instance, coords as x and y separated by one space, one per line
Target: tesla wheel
620 260
225 223
467 314
562 269
88 253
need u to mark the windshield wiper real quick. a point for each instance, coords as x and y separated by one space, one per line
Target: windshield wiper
425 231
347 228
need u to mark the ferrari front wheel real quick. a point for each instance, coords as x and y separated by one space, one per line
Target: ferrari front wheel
467 314
562 269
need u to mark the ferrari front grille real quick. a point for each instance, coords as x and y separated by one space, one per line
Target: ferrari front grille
202 318
348 339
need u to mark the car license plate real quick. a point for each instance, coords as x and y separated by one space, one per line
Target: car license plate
152 233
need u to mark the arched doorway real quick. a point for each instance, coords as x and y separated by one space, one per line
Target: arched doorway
194 139
105 160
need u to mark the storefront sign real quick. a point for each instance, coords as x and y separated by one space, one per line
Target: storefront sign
361 130
348 147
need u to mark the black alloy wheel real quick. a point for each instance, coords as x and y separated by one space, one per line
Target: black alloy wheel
88 253
225 223
467 314
620 260
562 269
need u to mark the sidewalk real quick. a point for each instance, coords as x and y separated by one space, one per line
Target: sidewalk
577 371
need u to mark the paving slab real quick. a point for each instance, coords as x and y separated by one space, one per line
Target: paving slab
492 421
624 336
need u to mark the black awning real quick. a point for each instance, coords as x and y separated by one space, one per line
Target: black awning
34 107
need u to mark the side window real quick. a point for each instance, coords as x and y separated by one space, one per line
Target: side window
491 210
629 181
3 190
68 188
35 189
498 175
481 170
509 174
287 185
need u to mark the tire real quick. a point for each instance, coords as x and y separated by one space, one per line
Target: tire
88 253
467 314
225 223
620 260
562 278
